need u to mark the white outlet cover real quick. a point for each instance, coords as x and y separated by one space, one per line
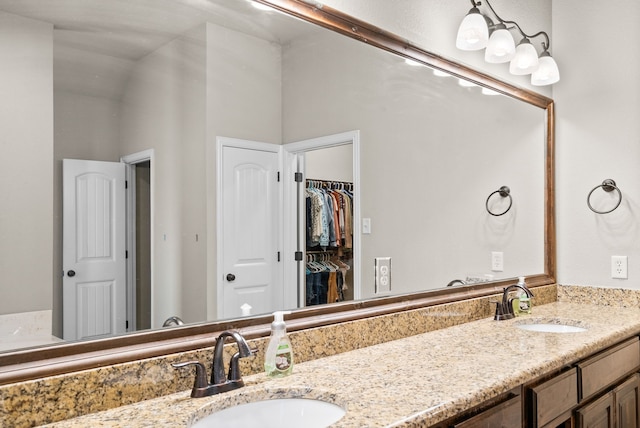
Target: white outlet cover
619 267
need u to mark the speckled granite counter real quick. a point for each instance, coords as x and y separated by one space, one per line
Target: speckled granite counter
416 381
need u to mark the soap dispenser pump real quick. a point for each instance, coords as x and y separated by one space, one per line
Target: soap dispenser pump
278 361
524 301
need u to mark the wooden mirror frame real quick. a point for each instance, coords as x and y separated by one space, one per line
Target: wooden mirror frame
26 364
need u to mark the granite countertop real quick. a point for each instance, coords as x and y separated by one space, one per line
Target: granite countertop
416 381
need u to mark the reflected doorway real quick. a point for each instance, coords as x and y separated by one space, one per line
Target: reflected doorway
140 171
314 157
142 245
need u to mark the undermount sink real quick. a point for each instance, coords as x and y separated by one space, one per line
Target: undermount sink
276 413
552 326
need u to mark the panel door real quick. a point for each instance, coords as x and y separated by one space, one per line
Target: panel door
250 230
627 399
598 414
94 245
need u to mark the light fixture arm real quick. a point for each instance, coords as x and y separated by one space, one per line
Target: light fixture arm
545 45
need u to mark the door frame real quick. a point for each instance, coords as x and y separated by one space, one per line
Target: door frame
222 142
293 236
130 175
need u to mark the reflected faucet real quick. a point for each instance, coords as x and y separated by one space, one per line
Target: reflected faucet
456 281
504 309
171 321
219 382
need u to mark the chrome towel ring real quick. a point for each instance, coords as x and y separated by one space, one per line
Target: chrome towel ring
504 191
607 185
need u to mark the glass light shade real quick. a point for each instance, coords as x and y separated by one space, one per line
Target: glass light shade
491 92
526 59
547 72
501 47
466 84
473 32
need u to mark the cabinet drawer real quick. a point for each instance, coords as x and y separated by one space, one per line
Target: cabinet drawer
602 370
505 415
554 397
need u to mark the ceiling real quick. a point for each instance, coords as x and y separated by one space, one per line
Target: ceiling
93 35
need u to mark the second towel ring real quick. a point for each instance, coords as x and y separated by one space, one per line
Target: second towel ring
504 191
607 185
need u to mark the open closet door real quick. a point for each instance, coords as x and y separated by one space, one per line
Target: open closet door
328 172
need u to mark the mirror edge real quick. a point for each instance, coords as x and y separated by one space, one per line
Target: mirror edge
28 364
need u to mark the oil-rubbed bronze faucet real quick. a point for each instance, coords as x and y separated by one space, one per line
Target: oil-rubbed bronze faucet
504 309
219 382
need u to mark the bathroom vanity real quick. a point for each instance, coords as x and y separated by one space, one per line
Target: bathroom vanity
470 375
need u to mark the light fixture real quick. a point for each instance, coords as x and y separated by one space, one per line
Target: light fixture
547 72
473 33
261 6
526 59
412 62
500 45
466 83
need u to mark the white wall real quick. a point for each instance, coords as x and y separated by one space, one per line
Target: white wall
597 109
243 101
425 178
26 164
598 137
157 113
178 99
332 163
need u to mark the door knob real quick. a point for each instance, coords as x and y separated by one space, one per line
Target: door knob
71 273
231 277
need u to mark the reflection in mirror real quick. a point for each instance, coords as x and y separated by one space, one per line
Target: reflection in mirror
152 85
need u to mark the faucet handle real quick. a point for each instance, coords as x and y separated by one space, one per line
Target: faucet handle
234 366
502 312
200 381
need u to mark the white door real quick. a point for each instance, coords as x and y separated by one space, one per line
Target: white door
294 201
94 259
250 270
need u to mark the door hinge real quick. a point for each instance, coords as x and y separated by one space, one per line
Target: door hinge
298 256
297 177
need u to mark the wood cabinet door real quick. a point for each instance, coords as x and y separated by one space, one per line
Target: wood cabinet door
598 414
627 398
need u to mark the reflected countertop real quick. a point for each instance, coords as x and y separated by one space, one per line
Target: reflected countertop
416 381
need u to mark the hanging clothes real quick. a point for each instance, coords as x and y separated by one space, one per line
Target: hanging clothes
325 281
329 233
329 215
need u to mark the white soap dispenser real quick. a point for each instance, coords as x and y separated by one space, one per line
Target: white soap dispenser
278 360
524 301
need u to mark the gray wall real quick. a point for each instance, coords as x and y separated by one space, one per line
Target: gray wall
26 151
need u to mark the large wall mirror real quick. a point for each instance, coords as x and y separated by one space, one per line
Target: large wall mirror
157 84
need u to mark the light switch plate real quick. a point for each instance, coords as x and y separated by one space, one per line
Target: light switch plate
366 226
497 261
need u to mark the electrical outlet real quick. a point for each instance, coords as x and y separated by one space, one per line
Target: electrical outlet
619 267
497 261
383 274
